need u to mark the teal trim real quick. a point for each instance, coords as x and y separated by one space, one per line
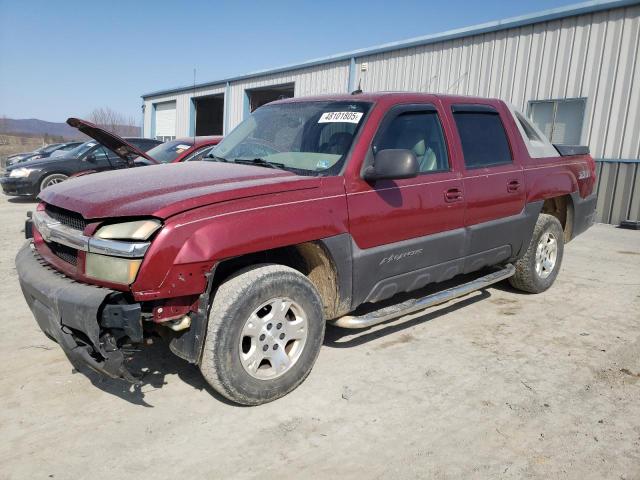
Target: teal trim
352 75
153 120
246 105
192 117
226 113
617 160
494 26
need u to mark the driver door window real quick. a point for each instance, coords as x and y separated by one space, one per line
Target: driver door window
101 158
421 133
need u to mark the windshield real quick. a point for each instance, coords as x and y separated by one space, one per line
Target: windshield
81 149
50 148
309 138
167 152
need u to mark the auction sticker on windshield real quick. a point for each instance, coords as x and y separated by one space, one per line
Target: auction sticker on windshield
345 117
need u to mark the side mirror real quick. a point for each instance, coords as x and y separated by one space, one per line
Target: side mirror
392 164
91 158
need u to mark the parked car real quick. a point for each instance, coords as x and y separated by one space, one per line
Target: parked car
174 151
43 152
351 209
185 149
19 156
31 177
61 152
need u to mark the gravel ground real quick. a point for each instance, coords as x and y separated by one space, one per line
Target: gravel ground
497 385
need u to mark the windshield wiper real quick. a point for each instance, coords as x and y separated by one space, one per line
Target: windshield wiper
216 158
261 162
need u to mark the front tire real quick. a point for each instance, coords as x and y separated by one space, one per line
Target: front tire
264 334
52 179
538 268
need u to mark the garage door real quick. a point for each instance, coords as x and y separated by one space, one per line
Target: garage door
166 121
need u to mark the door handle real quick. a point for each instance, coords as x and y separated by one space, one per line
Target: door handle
453 195
513 186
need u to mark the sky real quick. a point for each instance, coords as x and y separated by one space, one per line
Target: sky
65 58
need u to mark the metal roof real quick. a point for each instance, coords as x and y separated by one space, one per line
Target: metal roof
493 26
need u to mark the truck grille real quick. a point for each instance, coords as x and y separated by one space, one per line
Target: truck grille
66 217
68 254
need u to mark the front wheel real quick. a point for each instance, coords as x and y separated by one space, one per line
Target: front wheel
52 179
264 334
538 268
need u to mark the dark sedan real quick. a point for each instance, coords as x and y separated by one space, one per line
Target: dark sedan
44 152
30 177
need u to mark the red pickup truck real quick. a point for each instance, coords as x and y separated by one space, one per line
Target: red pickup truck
349 209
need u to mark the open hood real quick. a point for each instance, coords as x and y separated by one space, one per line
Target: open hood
113 142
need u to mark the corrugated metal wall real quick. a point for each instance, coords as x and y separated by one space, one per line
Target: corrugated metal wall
618 191
183 108
593 56
318 80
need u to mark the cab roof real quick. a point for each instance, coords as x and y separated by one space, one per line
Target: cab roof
400 97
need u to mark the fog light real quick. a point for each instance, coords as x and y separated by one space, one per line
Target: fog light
111 269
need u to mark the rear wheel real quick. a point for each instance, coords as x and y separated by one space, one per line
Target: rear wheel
538 268
52 179
264 334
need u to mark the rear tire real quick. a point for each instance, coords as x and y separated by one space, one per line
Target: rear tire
52 179
538 268
264 334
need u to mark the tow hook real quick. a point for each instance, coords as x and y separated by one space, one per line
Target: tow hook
179 324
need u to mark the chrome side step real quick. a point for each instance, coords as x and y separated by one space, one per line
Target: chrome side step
416 304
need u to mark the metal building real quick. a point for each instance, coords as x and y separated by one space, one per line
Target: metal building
573 70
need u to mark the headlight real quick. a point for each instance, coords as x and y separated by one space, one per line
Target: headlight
138 230
111 269
21 172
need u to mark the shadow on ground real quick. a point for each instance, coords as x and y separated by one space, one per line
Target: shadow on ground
338 337
151 364
22 200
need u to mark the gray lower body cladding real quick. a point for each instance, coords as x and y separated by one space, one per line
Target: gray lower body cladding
383 271
70 313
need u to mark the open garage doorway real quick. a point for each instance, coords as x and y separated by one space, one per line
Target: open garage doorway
209 115
260 96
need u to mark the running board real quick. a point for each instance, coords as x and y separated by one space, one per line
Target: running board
416 304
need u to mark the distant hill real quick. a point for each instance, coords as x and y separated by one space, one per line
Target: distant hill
33 126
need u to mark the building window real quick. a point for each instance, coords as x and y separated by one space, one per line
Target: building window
560 120
165 138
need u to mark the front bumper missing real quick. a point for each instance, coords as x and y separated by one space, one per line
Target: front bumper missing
68 312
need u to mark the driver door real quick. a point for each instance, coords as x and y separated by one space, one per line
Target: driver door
407 232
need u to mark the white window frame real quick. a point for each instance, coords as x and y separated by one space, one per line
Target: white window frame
556 102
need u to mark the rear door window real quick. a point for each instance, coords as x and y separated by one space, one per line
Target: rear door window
484 140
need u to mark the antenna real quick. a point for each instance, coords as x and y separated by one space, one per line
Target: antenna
195 111
431 80
456 82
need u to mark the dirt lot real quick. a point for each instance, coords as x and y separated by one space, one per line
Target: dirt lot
497 385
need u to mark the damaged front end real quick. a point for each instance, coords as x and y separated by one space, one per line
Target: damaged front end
90 323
